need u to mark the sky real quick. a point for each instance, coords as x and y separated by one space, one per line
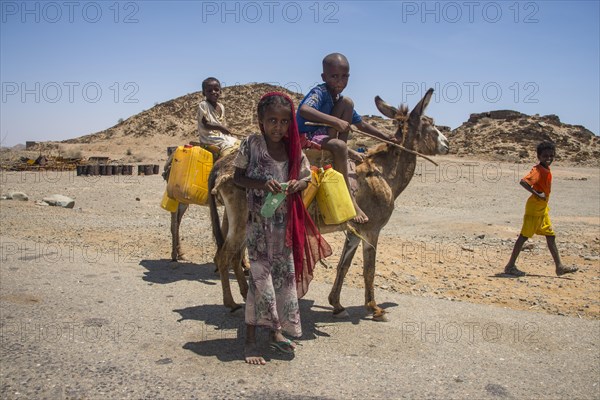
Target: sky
71 68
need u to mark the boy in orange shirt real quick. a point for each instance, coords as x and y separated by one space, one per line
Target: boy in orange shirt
537 220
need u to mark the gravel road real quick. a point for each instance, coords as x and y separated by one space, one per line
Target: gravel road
90 307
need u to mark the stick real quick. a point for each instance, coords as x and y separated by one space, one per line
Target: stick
378 139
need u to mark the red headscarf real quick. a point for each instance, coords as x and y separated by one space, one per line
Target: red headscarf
302 235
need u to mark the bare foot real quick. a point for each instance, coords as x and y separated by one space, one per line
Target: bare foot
252 355
561 270
282 343
361 217
513 270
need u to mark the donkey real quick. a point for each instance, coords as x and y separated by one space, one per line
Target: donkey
384 174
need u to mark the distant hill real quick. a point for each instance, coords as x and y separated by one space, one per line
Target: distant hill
512 136
177 118
146 135
500 135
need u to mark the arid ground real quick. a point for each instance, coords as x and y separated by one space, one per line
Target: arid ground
451 233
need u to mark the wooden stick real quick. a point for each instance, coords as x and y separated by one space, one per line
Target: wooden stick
378 139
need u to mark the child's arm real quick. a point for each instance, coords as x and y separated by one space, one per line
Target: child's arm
312 114
531 190
215 127
240 179
370 129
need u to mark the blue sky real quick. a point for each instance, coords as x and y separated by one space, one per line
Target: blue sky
73 68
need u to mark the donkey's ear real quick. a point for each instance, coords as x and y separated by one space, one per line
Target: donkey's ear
385 108
421 105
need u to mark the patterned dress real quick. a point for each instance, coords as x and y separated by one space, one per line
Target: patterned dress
272 301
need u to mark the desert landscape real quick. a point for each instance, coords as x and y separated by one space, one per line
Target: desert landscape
452 231
449 238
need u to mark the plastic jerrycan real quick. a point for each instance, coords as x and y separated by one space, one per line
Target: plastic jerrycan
310 192
188 180
334 198
169 203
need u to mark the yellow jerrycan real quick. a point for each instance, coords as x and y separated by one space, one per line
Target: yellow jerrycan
333 198
169 203
188 179
310 192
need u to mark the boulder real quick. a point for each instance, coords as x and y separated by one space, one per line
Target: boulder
60 201
17 196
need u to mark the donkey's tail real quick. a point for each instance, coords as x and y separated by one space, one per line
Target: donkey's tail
214 212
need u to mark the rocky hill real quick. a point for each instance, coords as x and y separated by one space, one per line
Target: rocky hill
511 136
145 136
177 118
500 135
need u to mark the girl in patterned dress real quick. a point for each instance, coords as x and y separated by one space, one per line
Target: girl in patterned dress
282 248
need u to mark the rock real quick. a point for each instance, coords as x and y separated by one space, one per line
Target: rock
17 196
60 201
41 203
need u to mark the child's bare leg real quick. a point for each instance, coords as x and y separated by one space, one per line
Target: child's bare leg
251 354
560 268
511 268
339 150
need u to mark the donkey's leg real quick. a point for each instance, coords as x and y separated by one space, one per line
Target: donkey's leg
222 261
369 260
229 252
350 246
224 229
236 244
176 217
238 268
244 264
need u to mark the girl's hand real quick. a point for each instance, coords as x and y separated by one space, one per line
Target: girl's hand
295 186
272 186
540 195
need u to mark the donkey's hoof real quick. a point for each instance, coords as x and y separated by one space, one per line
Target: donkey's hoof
380 317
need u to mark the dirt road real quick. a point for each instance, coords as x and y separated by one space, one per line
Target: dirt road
91 307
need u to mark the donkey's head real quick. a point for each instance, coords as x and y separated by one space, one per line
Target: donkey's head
416 131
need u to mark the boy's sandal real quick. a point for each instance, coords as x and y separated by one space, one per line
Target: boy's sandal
285 346
514 271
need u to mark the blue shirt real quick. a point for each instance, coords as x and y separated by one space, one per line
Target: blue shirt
319 99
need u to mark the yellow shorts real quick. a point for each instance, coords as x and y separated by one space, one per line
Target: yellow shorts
538 225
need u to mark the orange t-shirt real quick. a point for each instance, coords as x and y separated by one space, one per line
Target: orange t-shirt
540 178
